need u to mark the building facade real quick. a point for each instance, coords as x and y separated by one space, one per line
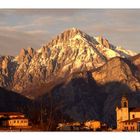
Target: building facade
127 118
13 119
94 124
131 125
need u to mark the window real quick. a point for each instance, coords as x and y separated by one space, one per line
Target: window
14 121
133 116
126 128
125 104
132 123
133 128
17 121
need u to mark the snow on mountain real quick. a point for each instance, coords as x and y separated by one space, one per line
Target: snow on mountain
125 53
69 52
112 51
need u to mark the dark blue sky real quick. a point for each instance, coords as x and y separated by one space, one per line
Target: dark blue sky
24 28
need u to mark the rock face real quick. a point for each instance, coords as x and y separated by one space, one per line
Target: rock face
118 70
103 41
7 70
77 98
136 61
117 76
71 51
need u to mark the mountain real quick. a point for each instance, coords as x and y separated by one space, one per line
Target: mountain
95 94
74 76
119 70
112 51
117 77
13 102
136 61
70 52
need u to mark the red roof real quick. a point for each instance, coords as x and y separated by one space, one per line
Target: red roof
17 118
135 109
11 113
133 120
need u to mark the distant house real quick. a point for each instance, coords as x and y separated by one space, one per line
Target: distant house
94 124
72 126
128 119
13 119
131 125
11 114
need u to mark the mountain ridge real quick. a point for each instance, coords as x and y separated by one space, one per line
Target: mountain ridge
69 52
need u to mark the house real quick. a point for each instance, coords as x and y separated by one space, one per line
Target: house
128 119
11 114
69 126
94 124
13 119
15 122
131 125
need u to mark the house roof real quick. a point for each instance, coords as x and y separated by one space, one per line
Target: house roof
11 113
134 109
133 120
17 118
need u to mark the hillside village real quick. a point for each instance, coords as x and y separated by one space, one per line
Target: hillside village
127 119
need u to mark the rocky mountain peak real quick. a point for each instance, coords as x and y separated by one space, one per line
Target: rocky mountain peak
70 35
69 52
72 31
31 51
5 63
136 61
103 41
23 52
25 55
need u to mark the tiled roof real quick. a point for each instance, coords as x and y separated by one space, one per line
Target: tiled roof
133 120
134 109
17 118
11 113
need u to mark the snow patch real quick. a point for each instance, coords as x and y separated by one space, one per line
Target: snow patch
127 52
78 36
39 50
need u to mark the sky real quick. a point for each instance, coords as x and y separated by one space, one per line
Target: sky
34 27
